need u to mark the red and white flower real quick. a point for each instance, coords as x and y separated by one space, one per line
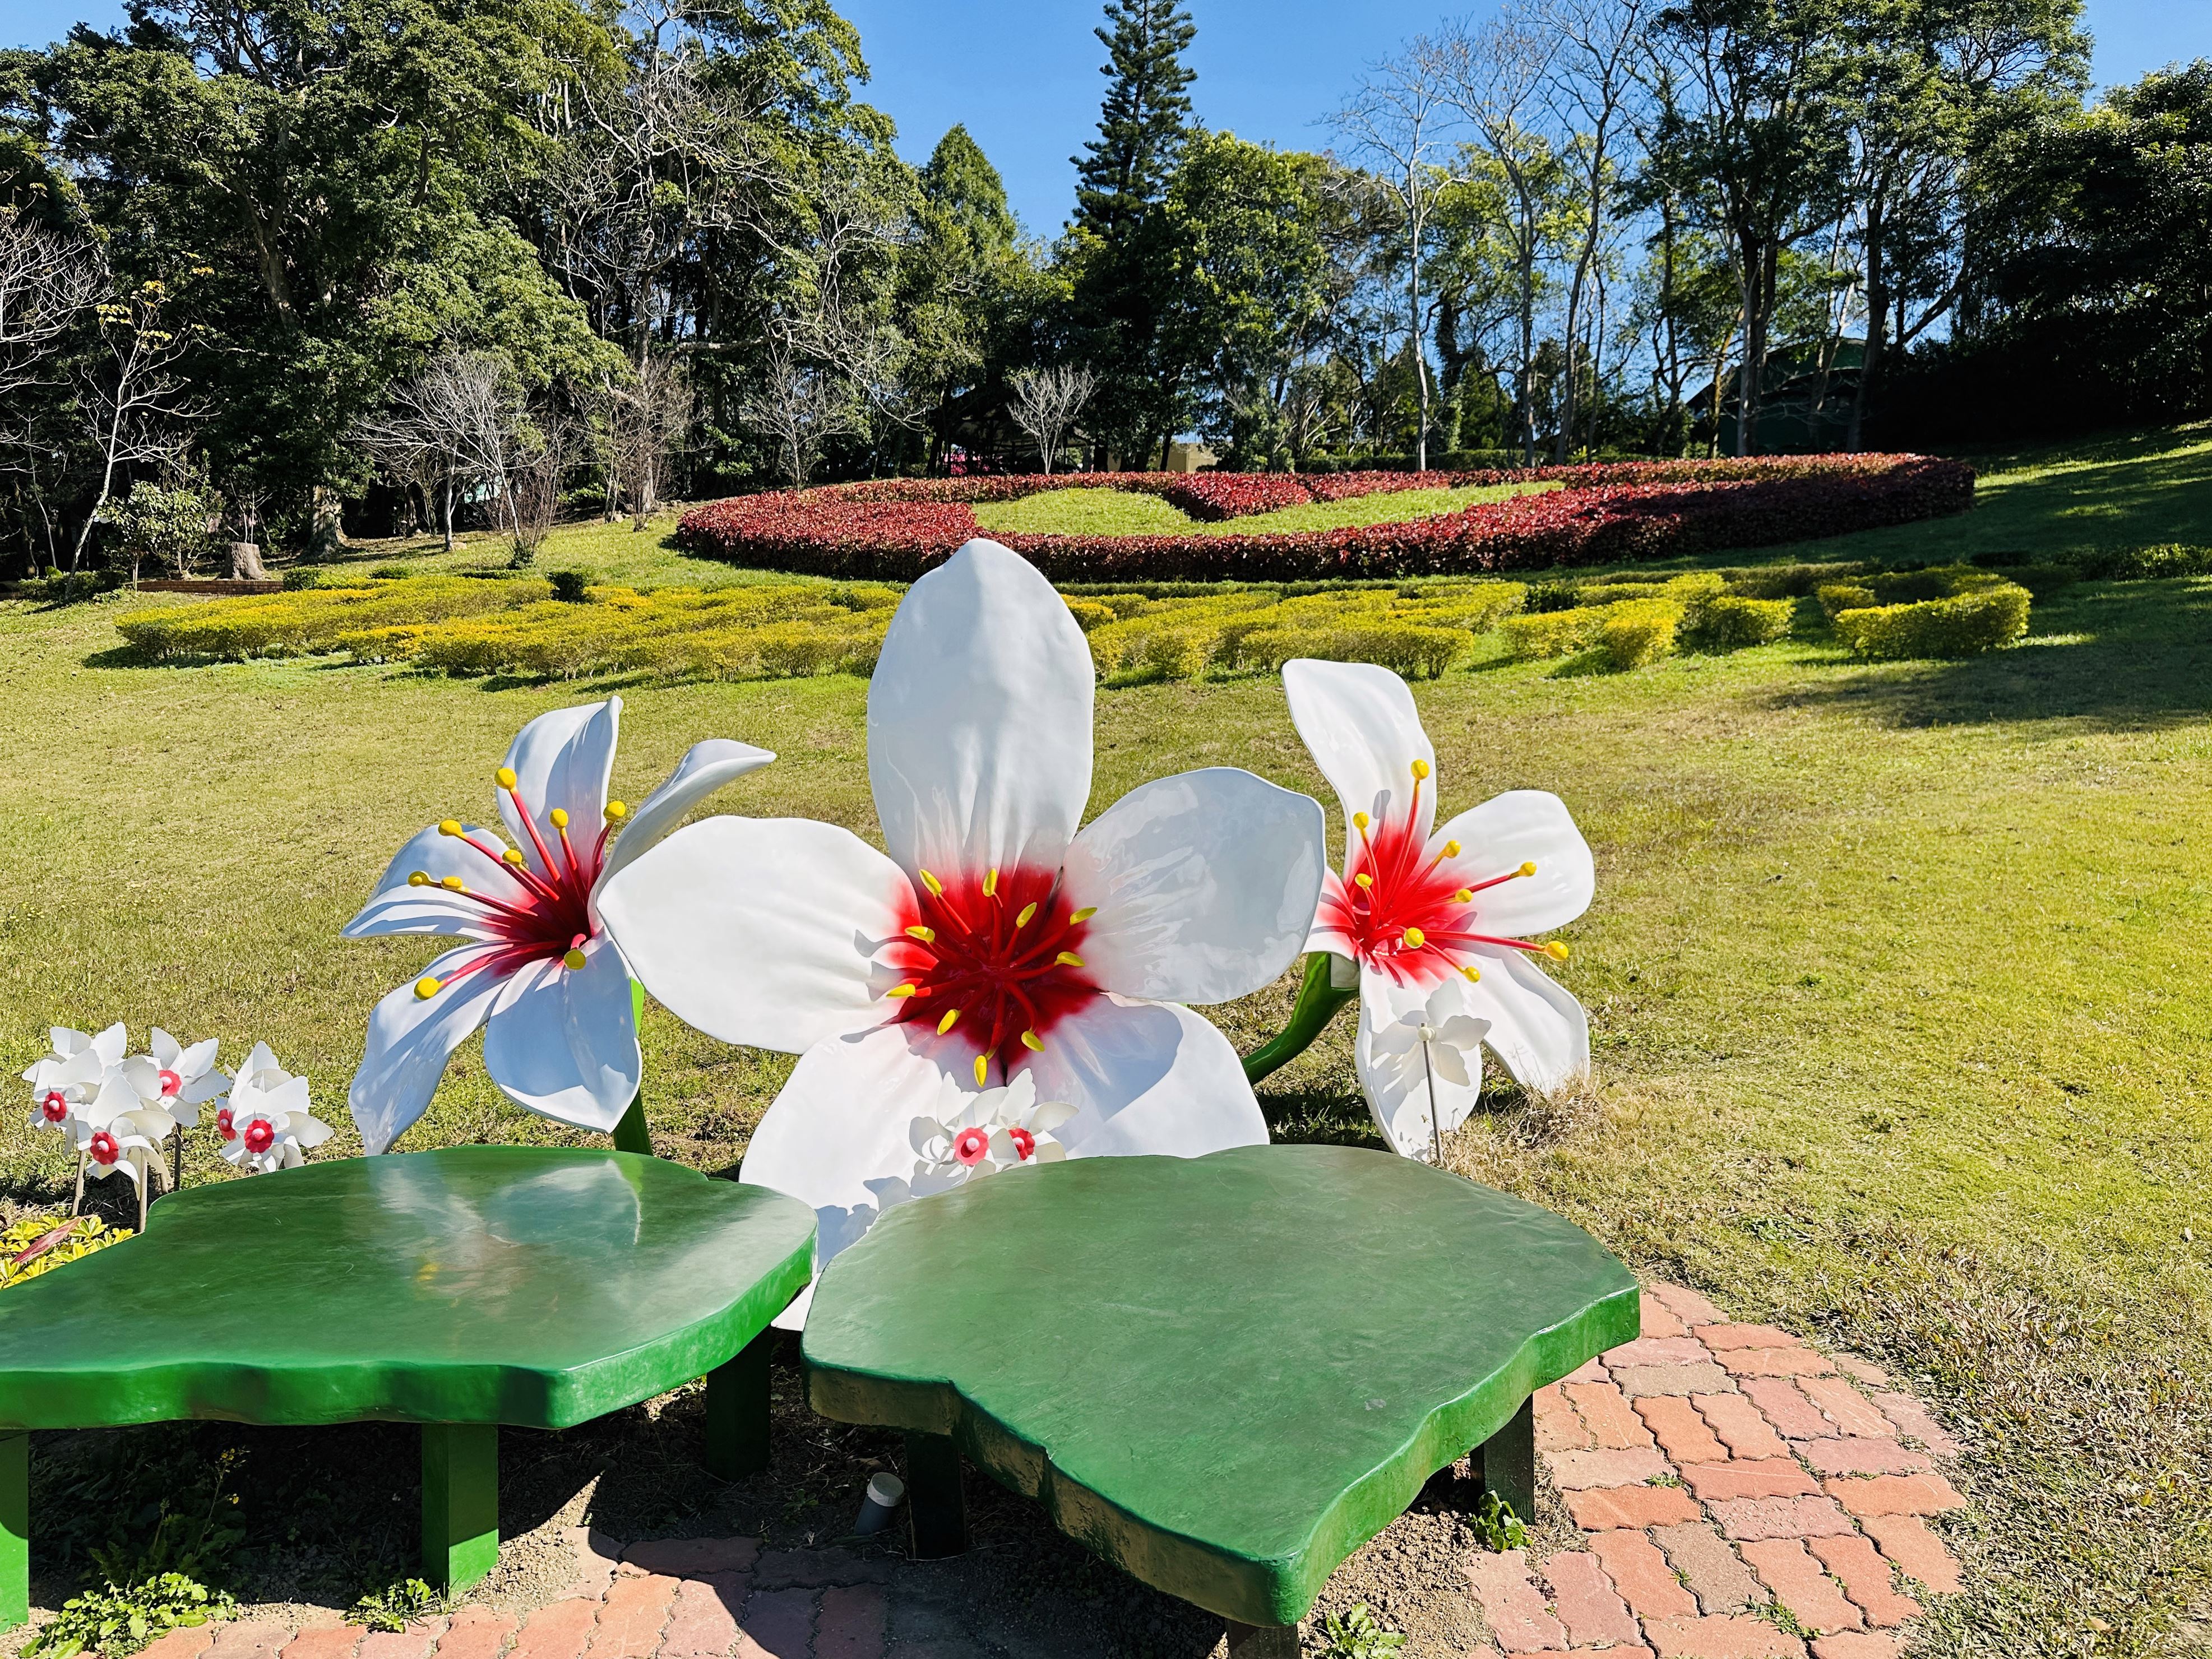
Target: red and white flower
1003 1128
995 938
265 1122
1418 908
539 972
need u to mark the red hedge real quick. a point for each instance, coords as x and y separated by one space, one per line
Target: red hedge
895 529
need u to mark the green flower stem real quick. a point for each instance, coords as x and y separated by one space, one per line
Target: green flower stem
630 1134
1318 1002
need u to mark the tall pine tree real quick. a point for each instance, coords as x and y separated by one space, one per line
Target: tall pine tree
1120 245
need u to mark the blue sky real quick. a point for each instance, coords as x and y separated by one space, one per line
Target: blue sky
1023 74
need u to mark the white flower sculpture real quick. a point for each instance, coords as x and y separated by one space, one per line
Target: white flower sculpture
265 1122
539 972
68 1079
1002 1128
175 1080
995 939
1417 908
1439 1047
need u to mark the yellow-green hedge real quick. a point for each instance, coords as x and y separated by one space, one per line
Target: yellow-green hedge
1981 620
81 1237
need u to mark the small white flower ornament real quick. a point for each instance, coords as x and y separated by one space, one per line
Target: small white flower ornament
1002 1128
70 1076
1434 1053
174 1079
538 972
265 1122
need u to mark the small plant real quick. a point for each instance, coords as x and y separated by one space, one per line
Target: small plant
568 586
38 1244
115 1621
1496 1528
399 1605
1356 1635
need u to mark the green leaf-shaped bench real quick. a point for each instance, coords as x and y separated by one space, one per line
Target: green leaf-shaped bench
459 1289
1223 1374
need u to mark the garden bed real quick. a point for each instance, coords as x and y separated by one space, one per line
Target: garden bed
896 529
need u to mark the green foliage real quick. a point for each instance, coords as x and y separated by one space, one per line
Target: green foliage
569 586
1356 1635
1552 633
1981 620
406 1601
2143 563
39 1243
1496 1528
1728 622
1639 631
171 524
116 1621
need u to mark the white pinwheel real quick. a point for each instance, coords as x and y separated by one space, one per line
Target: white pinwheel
1418 907
174 1079
539 972
78 1060
994 938
1434 1055
1002 1128
265 1123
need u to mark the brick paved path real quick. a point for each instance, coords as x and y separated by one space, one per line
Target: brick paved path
1733 1488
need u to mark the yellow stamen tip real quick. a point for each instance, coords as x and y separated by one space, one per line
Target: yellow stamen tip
927 935
1028 911
1451 849
506 776
981 1070
617 812
449 826
1415 939
1474 975
418 879
990 884
1069 959
573 961
1421 768
936 887
1364 881
1033 1042
559 817
1556 952
512 857
454 884
1464 897
1359 820
899 991
428 987
1084 915
1529 869
945 1025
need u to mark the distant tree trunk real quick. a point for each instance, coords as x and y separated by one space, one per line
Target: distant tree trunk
245 563
325 536
1877 305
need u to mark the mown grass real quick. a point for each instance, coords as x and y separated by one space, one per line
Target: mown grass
1082 511
1895 973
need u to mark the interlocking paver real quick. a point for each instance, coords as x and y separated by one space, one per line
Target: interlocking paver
1559 1426
777 1624
1720 1337
1685 1436
1687 1306
248 1639
1586 1602
1512 1603
474 1633
556 1631
1708 1378
1612 1421
1864 1370
1802 1584
1914 1418
1747 1519
1580 1471
597 1558
1853 1454
1659 1319
324 1641
1641 1574
1724 1636
1896 1494
415 1641
1907 1540
631 1623
1608 1507
693 1558
852 1624
1590 1370
1775 1362
703 1620
1851 1411
1658 1351
1766 1477
1719 1580
1784 1404
1853 1558
1740 1426
187 1642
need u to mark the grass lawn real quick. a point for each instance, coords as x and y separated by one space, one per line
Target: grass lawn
1896 973
1093 512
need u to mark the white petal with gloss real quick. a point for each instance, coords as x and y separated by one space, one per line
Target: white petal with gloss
1146 1076
1393 1073
1537 1029
561 759
760 931
397 908
979 718
409 1040
563 1043
705 767
1530 826
1205 885
1366 734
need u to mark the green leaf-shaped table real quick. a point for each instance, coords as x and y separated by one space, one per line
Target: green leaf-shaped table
1223 1373
459 1289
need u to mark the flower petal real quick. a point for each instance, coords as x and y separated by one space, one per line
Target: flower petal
705 767
1536 1027
1205 885
561 759
397 907
1360 723
1146 1076
979 718
109 1044
760 931
563 1042
1394 1075
410 1039
1524 826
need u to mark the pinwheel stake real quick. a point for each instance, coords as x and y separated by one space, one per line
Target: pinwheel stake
1436 1118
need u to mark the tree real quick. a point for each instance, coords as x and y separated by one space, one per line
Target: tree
48 281
1046 403
172 522
132 398
650 414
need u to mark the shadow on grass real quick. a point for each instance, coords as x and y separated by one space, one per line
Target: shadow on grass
2120 654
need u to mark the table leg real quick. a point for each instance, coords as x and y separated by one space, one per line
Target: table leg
14 1527
737 1411
933 1499
1507 1462
1262 1641
460 1502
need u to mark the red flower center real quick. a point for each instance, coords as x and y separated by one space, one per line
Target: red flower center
104 1150
260 1136
996 957
552 916
222 1122
1410 908
969 1145
171 1083
54 1108
1024 1142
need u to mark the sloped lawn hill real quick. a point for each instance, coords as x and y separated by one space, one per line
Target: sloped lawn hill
1896 972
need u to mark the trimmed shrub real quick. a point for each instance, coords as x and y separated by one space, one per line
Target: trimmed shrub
1090 614
1838 597
1639 631
1551 633
1962 626
1405 649
1729 622
1790 581
2144 563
